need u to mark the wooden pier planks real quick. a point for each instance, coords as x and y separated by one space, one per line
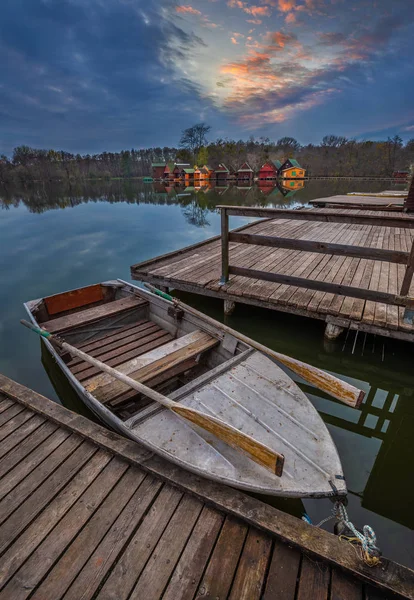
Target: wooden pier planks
198 268
108 520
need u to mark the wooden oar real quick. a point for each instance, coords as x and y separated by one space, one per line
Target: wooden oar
257 451
341 390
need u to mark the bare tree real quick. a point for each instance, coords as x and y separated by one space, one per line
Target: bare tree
194 138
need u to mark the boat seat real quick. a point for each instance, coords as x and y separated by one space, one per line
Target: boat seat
90 315
151 366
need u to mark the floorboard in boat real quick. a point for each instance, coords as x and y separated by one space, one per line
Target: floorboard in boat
89 522
90 315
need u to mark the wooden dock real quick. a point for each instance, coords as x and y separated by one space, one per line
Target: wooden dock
389 202
86 513
348 268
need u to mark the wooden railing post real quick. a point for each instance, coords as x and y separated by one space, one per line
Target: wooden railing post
405 286
224 246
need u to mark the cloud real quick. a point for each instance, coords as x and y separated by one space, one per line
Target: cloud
187 10
254 21
234 41
255 11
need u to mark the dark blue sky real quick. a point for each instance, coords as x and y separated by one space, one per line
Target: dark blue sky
94 75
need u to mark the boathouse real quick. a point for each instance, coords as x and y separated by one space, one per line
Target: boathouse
158 170
210 171
245 172
187 174
197 173
268 170
222 172
291 169
169 170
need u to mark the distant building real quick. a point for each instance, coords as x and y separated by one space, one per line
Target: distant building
169 170
401 174
158 170
197 173
210 171
268 170
187 174
245 172
222 172
291 169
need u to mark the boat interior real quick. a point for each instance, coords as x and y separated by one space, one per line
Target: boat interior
140 335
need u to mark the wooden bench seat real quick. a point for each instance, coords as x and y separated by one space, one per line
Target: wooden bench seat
151 365
90 315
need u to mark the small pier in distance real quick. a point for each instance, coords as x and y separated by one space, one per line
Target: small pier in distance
86 513
351 268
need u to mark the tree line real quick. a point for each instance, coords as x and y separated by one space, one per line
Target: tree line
335 156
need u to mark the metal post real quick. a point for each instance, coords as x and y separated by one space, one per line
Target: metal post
224 247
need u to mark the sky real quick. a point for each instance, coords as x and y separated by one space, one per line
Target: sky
104 75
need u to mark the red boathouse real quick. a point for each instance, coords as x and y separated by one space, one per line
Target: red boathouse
268 171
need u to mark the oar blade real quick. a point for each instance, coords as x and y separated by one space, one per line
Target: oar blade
257 451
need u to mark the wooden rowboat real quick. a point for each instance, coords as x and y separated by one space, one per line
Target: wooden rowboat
192 361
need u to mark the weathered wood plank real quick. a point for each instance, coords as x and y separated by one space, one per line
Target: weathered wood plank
344 587
187 574
105 554
113 510
283 573
322 247
26 508
222 565
123 577
20 434
144 359
249 579
33 536
323 286
333 216
5 404
47 553
314 580
15 423
157 571
90 315
32 444
74 299
10 412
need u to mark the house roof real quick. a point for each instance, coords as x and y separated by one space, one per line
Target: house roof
208 168
158 164
245 167
294 164
222 168
204 170
270 164
170 165
277 163
188 171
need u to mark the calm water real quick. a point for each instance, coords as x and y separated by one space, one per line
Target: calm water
54 238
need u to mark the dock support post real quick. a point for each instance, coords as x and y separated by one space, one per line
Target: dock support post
333 331
229 307
224 247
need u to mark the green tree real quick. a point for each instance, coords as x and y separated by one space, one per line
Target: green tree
202 156
194 138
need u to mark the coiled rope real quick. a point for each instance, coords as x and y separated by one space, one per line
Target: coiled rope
367 540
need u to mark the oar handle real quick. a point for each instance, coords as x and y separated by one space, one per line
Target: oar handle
158 292
36 329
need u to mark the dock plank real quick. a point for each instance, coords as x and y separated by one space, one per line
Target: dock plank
283 573
250 574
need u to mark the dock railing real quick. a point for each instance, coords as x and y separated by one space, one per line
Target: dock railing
393 256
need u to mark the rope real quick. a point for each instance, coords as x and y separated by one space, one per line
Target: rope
368 540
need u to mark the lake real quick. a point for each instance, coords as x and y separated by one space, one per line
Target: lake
57 237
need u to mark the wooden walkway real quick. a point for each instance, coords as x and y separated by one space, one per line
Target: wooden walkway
392 201
197 269
86 513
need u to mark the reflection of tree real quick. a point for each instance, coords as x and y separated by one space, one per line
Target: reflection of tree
195 214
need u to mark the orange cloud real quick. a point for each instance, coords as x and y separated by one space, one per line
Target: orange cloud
290 18
187 10
286 5
234 41
256 11
254 21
